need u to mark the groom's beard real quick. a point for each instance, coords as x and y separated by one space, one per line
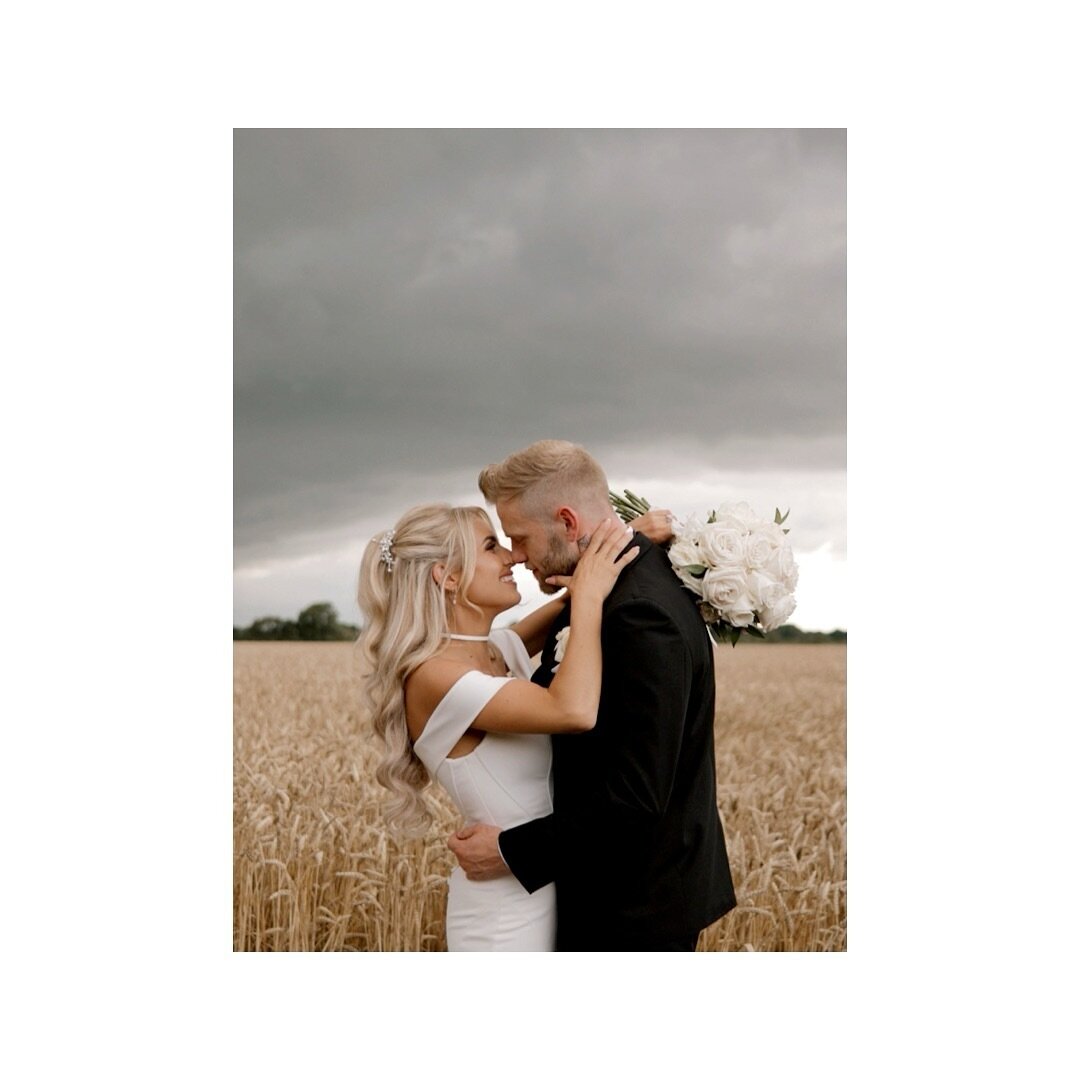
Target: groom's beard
560 560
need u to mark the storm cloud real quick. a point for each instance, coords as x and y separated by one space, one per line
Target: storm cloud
411 305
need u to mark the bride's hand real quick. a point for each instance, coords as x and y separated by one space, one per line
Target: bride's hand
599 567
656 525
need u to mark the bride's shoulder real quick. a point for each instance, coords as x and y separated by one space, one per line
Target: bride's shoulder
429 684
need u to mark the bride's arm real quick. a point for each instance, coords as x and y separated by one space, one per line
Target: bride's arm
571 701
533 629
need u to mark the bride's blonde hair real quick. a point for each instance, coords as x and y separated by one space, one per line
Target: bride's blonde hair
405 623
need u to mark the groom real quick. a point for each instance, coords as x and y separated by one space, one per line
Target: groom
635 845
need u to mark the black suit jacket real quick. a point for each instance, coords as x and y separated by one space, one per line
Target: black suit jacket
635 845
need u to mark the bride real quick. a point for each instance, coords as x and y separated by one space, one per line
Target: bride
452 701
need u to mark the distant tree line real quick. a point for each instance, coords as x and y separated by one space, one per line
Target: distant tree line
319 622
792 634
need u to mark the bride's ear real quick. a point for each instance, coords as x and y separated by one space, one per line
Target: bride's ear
439 575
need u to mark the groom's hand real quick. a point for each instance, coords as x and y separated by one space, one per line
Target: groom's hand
477 849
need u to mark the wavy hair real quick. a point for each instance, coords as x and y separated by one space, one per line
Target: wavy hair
406 621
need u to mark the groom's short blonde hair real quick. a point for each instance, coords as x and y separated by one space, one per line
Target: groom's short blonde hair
546 472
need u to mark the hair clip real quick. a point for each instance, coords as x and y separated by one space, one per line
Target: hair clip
385 552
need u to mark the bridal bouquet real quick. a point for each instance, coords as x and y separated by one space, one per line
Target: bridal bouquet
740 565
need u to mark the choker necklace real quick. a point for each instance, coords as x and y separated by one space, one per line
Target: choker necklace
469 637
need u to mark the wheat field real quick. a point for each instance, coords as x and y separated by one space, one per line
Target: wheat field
315 870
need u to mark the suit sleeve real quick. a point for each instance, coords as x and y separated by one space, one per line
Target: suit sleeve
529 851
643 705
646 692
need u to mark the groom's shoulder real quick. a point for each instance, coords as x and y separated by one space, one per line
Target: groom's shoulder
648 581
649 577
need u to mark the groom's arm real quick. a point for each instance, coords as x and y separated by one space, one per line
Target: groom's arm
526 851
647 680
648 677
529 851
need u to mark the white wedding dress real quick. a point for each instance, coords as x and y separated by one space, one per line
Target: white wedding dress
504 781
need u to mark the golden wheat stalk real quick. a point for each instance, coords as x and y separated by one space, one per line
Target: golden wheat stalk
316 870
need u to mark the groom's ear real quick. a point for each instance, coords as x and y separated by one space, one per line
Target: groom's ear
567 517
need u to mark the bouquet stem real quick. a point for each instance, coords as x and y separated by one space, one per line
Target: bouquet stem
628 505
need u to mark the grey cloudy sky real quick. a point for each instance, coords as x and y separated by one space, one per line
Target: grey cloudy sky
411 305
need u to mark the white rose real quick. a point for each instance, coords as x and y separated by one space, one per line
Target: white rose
721 545
688 579
739 515
740 613
763 589
560 644
781 565
778 614
763 542
684 552
792 579
689 529
722 586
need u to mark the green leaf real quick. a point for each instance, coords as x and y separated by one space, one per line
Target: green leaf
778 518
755 632
785 531
695 570
735 637
711 518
